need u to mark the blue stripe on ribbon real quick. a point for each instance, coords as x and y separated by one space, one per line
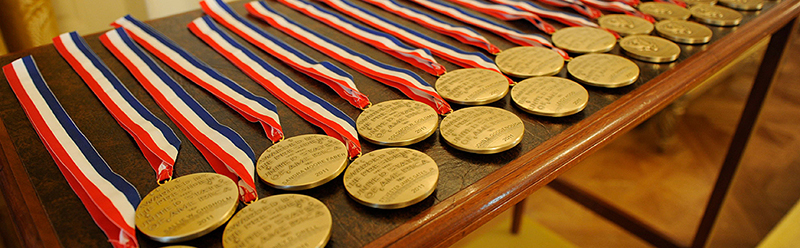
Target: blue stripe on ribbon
168 134
187 99
478 17
286 80
75 134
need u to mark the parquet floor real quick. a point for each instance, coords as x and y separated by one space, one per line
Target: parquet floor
669 189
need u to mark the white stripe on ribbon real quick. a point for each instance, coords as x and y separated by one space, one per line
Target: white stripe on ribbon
563 17
618 7
507 13
577 6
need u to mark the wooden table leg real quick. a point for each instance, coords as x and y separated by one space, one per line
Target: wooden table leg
516 221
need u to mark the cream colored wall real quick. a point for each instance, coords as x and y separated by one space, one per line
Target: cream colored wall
91 16
162 8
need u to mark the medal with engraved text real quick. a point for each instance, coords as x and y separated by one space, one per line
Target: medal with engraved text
472 86
302 162
684 31
650 48
603 70
391 178
716 15
397 122
625 24
696 2
529 61
664 11
286 220
550 96
743 4
584 40
187 207
482 130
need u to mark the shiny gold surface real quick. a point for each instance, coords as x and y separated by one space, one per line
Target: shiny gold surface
625 25
286 220
743 4
482 130
302 162
716 15
603 70
584 40
397 122
550 96
472 86
187 207
529 61
664 11
391 178
695 2
684 31
650 48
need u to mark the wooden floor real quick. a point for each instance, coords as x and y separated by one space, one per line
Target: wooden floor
668 188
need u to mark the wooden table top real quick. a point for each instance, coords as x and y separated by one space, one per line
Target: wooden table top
472 188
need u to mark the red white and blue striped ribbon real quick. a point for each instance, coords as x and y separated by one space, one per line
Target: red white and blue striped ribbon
560 16
311 107
461 33
507 13
158 142
577 6
109 198
223 148
506 32
618 7
675 2
253 108
411 84
420 58
337 79
441 49
628 2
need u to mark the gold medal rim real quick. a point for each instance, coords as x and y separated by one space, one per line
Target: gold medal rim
198 233
648 57
696 2
686 39
646 26
604 85
397 205
491 150
401 142
524 75
310 185
330 216
482 101
718 22
602 49
744 6
550 113
683 15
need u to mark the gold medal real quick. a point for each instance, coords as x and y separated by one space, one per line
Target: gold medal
603 70
391 178
550 96
302 162
696 2
743 4
472 86
286 220
584 40
716 15
397 122
529 61
664 11
650 48
625 25
482 130
187 207
684 31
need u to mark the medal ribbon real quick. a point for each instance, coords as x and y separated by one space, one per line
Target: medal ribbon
223 148
311 107
576 5
404 80
675 2
441 49
252 107
109 198
620 8
158 142
628 2
420 58
461 33
507 13
508 33
562 17
337 79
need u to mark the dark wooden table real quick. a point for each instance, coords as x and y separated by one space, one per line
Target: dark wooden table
472 188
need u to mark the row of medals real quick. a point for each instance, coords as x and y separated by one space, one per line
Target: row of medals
191 206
